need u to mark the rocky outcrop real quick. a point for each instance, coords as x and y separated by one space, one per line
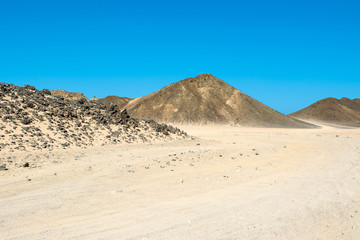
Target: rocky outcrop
68 95
37 120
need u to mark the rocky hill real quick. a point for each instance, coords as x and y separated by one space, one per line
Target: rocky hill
68 95
342 111
37 120
120 102
206 99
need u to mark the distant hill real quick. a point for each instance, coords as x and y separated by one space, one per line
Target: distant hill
206 99
68 95
119 101
342 111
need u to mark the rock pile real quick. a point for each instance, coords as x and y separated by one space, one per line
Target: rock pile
36 120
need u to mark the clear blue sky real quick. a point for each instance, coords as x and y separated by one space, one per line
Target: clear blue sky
286 54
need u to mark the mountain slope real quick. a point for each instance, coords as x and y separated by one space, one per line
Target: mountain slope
206 99
119 101
342 111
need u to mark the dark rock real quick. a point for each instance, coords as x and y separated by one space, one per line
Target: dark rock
172 129
3 167
7 117
29 87
82 101
30 105
124 114
112 107
46 91
26 121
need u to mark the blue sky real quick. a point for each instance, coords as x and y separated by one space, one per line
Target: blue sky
286 54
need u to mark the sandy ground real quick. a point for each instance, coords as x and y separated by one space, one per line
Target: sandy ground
226 183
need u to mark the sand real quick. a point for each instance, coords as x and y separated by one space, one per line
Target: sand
225 183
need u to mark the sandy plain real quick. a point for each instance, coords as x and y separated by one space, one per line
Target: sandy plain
224 183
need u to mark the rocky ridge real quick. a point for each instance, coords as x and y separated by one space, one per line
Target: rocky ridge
33 120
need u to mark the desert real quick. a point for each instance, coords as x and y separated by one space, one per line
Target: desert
179 120
74 168
223 183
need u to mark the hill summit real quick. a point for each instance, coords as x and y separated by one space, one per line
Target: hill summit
206 99
342 111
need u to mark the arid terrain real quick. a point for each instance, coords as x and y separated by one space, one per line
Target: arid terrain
33 120
179 120
74 168
223 183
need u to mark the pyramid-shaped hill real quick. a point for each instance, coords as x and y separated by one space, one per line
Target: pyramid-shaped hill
206 99
342 111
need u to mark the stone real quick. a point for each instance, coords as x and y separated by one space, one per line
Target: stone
112 107
82 101
29 87
26 121
3 167
46 91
